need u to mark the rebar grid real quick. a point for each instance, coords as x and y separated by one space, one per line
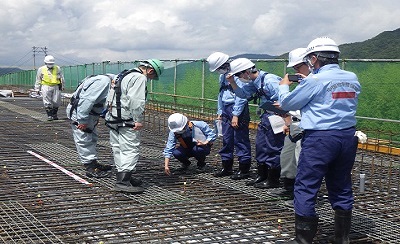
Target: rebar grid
182 208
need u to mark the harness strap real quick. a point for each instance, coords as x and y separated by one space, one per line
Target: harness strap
179 136
181 141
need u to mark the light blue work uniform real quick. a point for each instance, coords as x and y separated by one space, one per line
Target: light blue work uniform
230 105
268 144
92 97
189 148
328 101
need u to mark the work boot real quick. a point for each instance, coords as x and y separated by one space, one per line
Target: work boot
288 189
124 184
342 226
201 166
97 170
306 228
262 174
272 181
226 169
185 165
243 172
136 181
49 112
54 113
103 167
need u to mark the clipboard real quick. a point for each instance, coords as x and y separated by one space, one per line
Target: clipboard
269 106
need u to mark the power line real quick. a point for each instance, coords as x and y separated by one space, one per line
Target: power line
38 50
70 61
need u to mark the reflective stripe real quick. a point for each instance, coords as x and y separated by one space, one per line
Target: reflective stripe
47 80
338 95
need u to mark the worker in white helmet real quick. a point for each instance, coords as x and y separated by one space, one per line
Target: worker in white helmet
50 81
195 139
268 143
234 114
292 144
328 100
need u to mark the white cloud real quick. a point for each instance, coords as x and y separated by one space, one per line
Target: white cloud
96 30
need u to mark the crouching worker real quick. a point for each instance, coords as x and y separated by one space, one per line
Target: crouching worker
195 140
84 110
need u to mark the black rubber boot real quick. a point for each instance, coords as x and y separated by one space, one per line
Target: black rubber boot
272 180
342 226
306 228
136 181
104 167
262 174
201 166
243 172
185 166
49 112
54 113
288 189
124 183
226 169
96 170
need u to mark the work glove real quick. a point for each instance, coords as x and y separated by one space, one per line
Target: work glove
362 137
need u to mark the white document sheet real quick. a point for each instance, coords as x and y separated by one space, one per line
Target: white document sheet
277 123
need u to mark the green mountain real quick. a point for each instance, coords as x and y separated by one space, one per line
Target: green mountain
9 70
386 45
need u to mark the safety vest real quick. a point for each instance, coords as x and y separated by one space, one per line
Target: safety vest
50 80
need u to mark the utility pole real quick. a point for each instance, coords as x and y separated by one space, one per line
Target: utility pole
38 50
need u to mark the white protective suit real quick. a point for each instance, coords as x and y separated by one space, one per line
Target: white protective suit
125 140
92 98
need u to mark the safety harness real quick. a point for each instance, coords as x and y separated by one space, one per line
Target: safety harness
116 86
75 99
225 88
260 91
180 138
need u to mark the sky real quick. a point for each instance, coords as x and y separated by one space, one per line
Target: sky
88 31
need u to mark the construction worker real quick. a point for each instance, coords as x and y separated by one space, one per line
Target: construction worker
87 103
292 144
50 81
268 143
195 140
126 104
235 117
328 100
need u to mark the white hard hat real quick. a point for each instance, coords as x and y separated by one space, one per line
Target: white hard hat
240 64
49 59
296 56
322 44
177 122
215 60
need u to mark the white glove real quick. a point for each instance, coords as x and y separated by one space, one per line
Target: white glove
362 137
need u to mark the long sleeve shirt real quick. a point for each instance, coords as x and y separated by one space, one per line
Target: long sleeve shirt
269 83
92 97
172 140
133 98
227 96
327 100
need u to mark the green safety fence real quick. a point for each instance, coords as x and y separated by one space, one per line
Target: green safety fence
190 82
